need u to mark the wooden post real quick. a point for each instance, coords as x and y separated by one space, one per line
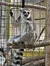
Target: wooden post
47 62
23 3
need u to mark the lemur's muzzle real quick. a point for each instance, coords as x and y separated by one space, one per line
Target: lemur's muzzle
26 14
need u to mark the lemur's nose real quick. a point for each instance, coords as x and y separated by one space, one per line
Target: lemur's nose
26 14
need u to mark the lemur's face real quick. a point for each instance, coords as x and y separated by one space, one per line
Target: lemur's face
25 13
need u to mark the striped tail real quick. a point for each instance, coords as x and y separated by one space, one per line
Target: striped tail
17 58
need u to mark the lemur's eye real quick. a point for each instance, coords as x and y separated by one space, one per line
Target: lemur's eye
28 12
24 12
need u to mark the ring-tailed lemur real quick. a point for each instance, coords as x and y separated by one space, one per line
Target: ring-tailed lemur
25 26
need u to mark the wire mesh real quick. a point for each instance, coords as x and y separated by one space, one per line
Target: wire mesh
7 30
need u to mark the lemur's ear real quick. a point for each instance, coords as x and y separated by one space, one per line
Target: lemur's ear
21 9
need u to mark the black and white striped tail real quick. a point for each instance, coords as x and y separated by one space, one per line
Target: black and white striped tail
17 59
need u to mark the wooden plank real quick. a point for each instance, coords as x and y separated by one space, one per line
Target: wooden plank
47 62
32 53
29 59
27 6
35 45
35 63
39 19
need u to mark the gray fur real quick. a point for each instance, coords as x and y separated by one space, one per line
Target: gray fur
26 28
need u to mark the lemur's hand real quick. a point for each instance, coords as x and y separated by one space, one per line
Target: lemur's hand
11 13
14 21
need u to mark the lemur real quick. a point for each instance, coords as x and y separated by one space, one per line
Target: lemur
27 34
26 27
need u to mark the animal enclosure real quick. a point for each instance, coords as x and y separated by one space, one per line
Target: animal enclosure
24 26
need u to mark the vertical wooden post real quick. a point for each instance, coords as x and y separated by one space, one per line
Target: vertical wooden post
8 19
7 31
23 3
47 59
0 19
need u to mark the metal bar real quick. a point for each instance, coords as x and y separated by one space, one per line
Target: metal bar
27 6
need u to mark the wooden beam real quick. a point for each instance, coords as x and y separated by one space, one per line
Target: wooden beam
27 6
39 19
35 63
29 59
42 43
35 45
47 55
